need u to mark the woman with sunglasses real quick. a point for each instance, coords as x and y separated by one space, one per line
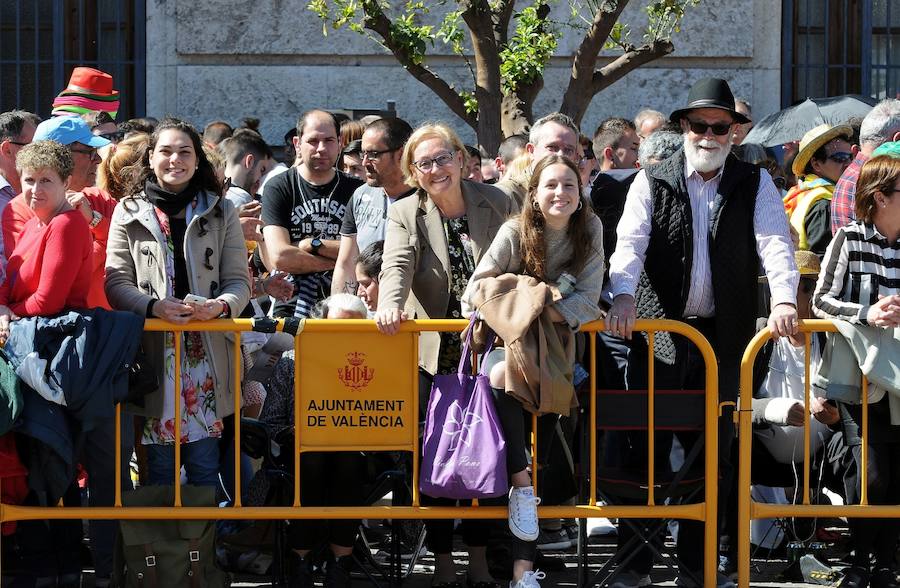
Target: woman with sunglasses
434 240
825 153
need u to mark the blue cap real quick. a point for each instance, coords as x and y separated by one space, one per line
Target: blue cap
68 130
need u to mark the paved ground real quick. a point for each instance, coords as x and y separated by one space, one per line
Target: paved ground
561 567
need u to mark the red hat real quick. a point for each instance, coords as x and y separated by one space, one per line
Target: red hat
87 80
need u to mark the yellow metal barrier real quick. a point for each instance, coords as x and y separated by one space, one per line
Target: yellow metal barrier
703 511
748 509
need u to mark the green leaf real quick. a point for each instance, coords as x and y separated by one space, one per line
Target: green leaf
528 51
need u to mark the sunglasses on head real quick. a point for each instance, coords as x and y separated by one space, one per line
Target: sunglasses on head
840 157
699 128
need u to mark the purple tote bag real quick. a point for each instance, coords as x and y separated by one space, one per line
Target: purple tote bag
464 451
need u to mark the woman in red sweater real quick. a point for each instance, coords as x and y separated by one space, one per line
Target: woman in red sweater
50 268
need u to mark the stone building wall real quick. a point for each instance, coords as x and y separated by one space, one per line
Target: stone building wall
226 59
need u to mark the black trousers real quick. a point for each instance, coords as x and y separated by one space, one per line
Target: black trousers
687 373
876 537
328 479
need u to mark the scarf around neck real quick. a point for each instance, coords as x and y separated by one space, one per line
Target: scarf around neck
169 202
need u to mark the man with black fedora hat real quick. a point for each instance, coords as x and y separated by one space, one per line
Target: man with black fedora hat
695 230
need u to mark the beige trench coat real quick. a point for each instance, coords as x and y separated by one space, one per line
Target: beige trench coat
216 260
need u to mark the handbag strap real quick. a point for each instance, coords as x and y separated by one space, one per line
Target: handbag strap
465 359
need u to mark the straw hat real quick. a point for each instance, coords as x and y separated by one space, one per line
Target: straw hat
807 262
814 139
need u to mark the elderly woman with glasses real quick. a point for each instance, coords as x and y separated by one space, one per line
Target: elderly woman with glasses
860 284
434 240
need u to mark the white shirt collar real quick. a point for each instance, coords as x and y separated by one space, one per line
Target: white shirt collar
3 182
689 171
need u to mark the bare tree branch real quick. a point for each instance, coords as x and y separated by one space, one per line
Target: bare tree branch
632 59
585 60
377 22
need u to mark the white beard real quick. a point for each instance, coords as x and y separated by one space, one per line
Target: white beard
705 160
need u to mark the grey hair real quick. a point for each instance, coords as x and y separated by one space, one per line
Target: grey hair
647 114
344 301
559 118
882 122
658 146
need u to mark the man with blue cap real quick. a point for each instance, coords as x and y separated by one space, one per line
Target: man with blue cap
95 204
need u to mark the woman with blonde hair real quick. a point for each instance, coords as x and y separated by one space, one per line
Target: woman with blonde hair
434 240
119 170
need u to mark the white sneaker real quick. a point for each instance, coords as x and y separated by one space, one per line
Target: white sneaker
601 527
523 516
529 580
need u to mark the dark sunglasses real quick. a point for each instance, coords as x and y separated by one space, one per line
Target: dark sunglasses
780 183
699 128
113 137
841 157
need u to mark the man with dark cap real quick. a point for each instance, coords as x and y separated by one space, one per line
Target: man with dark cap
692 236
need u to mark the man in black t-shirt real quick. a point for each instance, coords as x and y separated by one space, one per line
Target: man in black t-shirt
302 211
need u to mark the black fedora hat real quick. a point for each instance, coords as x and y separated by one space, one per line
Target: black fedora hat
710 93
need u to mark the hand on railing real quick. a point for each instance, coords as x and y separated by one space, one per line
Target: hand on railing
388 321
783 321
621 316
173 310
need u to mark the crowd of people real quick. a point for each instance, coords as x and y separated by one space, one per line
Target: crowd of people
673 217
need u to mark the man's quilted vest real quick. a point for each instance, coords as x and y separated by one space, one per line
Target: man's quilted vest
663 288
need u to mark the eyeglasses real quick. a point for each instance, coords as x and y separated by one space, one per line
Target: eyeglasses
442 160
91 153
780 182
841 157
374 155
699 128
19 143
113 137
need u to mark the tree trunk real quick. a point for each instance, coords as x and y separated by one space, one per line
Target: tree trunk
487 74
517 115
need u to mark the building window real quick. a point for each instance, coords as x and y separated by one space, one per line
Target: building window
834 47
41 41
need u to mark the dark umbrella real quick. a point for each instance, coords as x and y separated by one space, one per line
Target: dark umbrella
792 123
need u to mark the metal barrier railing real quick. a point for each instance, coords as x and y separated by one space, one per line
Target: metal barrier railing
705 511
748 509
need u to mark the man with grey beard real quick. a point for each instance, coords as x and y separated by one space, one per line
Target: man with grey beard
693 233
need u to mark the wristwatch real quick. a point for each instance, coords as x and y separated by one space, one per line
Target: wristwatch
315 244
96 217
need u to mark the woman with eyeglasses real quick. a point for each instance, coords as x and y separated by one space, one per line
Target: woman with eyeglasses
825 153
434 240
860 284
